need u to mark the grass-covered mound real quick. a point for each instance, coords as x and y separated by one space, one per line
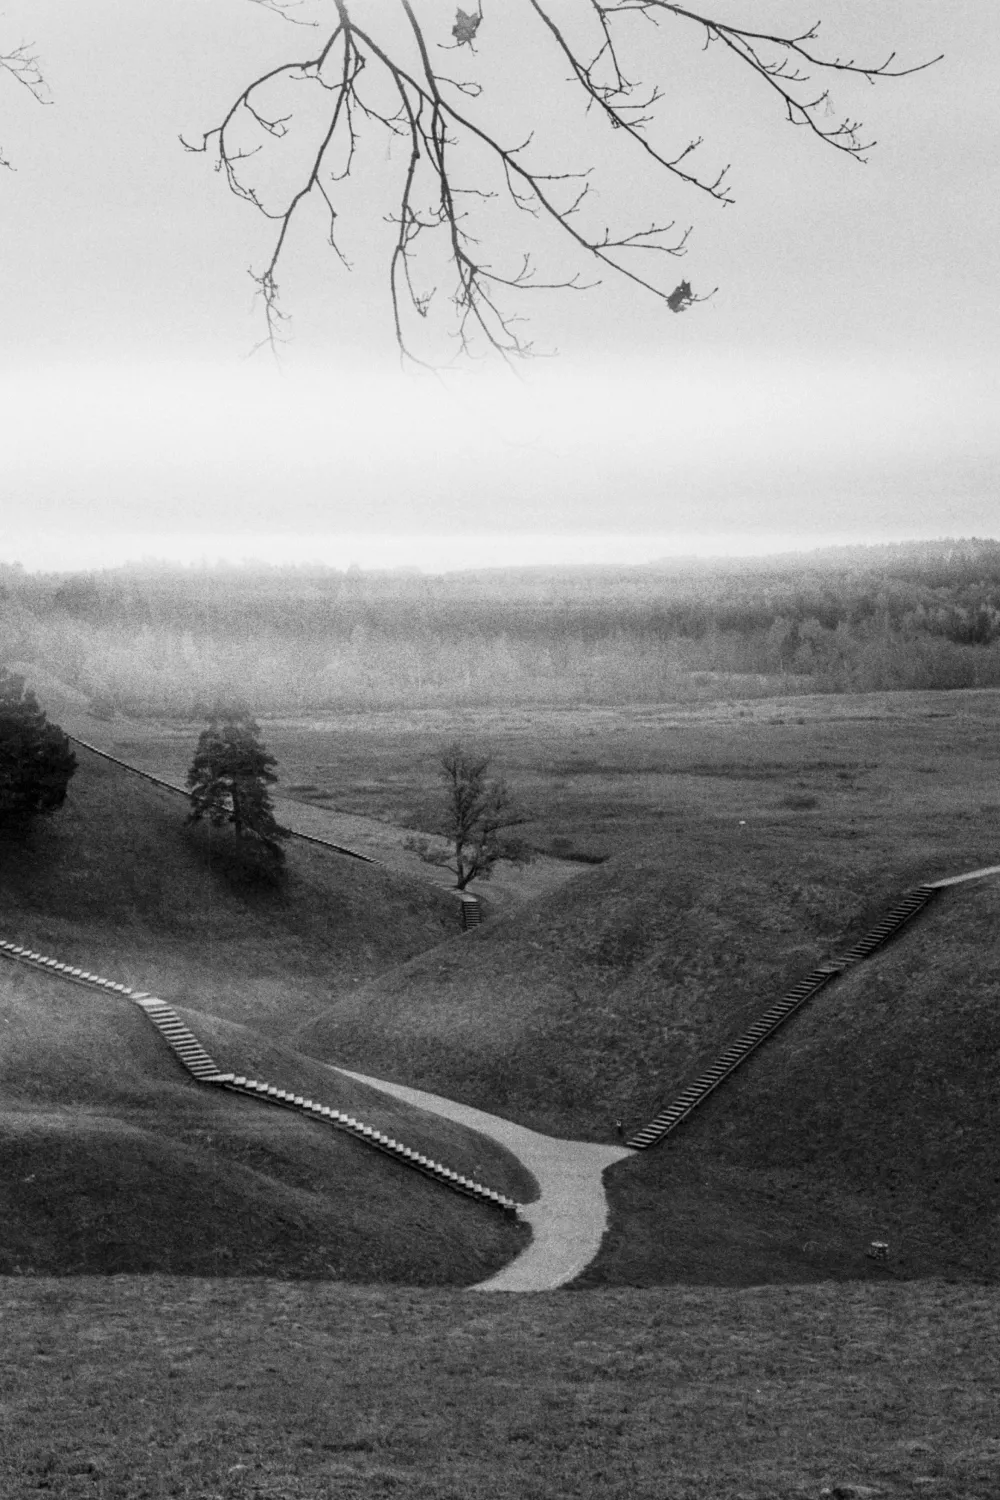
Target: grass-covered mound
874 1114
742 856
589 1007
120 881
611 996
115 1160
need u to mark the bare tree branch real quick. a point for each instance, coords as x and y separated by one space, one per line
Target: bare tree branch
24 67
460 177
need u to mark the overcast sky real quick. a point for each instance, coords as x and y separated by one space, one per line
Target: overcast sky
842 383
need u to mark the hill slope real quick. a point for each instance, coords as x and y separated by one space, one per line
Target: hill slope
119 873
611 996
114 1159
584 1009
874 1114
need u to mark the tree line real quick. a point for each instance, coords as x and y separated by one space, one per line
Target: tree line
177 641
946 589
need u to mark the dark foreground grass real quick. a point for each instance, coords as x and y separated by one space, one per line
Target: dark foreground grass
148 1388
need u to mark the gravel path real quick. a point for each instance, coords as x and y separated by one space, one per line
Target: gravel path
569 1217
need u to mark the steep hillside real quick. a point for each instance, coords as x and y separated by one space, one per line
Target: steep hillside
114 1160
119 876
590 1007
875 1114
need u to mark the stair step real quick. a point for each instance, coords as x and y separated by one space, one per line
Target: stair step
729 1060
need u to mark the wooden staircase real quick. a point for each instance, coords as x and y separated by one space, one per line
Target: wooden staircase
193 1057
735 1055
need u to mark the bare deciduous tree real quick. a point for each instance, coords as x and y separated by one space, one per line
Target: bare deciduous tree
386 66
476 821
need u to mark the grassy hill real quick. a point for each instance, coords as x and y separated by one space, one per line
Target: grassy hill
610 996
595 1003
874 1114
739 858
119 873
114 1159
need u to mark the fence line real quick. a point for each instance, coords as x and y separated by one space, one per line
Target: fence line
172 786
469 917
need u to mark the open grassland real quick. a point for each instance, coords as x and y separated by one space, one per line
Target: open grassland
136 1388
597 778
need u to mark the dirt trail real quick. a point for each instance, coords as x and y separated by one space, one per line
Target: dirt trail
570 1216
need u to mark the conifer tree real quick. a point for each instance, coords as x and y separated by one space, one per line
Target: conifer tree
36 762
229 779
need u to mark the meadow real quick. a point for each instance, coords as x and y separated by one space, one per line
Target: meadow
732 1339
140 1388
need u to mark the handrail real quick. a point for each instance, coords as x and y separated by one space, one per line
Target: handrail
737 1052
204 1069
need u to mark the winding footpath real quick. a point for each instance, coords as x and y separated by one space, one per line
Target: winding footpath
570 1215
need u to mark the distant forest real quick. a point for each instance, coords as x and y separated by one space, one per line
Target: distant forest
159 640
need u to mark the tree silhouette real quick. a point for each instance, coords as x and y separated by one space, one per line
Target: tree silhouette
476 820
229 779
470 198
36 762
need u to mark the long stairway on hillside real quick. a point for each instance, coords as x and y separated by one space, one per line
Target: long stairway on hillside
735 1055
193 1057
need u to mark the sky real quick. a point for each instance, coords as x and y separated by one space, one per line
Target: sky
841 385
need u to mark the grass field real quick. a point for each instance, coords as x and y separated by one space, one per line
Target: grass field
161 1387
